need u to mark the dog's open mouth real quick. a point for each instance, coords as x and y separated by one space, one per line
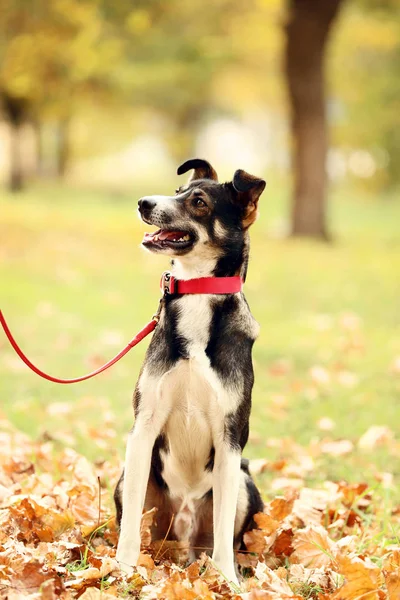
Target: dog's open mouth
168 238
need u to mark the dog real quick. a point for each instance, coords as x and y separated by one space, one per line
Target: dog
193 397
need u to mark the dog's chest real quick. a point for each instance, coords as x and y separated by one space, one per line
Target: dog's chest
188 431
195 391
194 396
193 324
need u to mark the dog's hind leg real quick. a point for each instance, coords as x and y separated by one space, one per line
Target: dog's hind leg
249 504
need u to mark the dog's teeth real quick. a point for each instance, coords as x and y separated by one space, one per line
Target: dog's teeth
185 238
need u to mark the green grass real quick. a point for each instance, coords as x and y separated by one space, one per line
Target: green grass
75 287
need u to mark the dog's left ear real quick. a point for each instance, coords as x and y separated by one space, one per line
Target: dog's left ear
202 169
249 188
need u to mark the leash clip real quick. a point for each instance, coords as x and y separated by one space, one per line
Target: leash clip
167 283
156 316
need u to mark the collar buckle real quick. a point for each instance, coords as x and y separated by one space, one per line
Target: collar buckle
168 283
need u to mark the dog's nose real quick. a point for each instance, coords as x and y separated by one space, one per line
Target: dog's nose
146 203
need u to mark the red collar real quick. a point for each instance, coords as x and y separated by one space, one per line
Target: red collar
201 285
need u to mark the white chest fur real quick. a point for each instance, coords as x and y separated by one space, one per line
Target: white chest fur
194 322
199 402
194 402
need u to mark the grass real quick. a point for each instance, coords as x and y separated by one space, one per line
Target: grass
75 287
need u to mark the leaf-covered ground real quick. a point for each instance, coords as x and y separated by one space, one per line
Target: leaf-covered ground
58 534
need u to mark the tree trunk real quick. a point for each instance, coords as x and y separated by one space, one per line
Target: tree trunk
62 147
306 35
15 109
182 137
37 127
16 177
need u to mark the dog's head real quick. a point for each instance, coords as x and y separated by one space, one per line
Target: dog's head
204 218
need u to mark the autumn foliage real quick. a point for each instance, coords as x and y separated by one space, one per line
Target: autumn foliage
58 538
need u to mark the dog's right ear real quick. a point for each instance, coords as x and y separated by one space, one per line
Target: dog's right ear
202 169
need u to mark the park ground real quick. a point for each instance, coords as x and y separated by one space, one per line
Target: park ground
75 287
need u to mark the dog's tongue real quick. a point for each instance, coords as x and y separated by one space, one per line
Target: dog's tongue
162 235
170 235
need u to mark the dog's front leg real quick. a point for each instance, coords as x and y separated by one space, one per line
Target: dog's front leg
136 475
226 479
149 422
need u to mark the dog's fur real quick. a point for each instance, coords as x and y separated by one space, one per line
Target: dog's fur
193 397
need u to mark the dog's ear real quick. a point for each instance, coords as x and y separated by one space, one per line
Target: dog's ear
202 169
249 188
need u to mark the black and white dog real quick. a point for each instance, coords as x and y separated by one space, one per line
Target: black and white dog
193 397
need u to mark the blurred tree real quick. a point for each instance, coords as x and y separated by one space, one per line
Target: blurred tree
307 30
89 75
175 51
16 110
365 69
54 58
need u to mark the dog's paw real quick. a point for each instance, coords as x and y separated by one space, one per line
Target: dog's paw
232 578
227 571
127 559
126 569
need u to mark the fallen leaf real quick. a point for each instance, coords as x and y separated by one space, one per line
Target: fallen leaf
146 561
362 579
320 375
337 448
326 424
300 574
312 547
255 541
279 508
347 379
395 366
93 593
350 321
375 436
283 543
392 581
270 580
173 550
392 561
145 527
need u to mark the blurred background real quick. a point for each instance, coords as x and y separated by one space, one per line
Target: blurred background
100 102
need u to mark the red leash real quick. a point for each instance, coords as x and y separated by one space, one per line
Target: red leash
138 338
169 285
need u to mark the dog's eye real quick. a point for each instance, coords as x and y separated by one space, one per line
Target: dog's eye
199 203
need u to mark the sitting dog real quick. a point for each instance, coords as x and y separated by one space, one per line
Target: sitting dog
193 397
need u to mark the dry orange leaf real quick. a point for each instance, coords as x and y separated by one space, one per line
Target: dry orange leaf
146 561
283 543
362 579
175 590
392 581
145 527
392 561
279 508
255 541
312 547
266 523
271 581
93 593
